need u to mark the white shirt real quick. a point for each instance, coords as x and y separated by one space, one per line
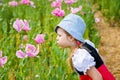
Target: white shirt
82 60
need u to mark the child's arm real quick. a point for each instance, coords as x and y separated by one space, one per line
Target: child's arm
94 73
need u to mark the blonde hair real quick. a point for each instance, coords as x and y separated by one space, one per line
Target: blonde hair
70 61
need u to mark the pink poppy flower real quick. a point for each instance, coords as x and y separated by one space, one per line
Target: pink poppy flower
32 54
18 24
31 3
13 3
25 26
56 3
20 54
3 60
21 25
31 50
39 38
58 12
76 10
24 1
70 1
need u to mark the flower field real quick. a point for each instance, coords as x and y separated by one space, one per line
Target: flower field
28 49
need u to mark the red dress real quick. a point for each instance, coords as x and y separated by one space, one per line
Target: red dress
99 64
106 75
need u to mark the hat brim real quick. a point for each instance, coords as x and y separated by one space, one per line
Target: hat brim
56 29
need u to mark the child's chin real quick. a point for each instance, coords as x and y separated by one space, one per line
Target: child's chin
62 46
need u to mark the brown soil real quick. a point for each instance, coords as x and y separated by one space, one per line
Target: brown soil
109 46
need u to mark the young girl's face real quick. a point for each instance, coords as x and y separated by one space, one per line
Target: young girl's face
62 38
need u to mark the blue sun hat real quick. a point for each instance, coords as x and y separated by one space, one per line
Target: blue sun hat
74 25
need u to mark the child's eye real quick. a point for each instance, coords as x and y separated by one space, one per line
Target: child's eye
59 35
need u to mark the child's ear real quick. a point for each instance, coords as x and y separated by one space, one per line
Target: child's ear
71 38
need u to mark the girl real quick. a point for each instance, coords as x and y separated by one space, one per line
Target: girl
84 58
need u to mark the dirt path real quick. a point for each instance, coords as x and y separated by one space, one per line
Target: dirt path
109 45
